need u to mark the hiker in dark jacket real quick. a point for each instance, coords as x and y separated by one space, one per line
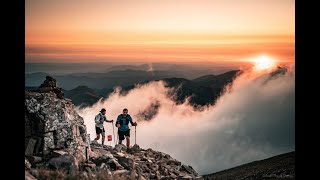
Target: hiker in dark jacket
123 128
99 119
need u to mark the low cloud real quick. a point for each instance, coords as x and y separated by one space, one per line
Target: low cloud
252 120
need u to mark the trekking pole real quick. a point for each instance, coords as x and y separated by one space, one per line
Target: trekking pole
114 138
135 134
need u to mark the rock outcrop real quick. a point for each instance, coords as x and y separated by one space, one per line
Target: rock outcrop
50 85
57 146
52 125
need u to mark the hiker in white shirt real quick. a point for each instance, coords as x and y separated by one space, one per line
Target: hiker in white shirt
99 119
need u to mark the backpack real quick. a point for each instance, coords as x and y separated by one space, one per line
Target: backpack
101 117
121 122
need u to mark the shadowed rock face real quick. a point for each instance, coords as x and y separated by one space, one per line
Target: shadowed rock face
52 123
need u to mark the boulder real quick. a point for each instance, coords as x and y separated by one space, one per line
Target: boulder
39 146
89 167
49 82
189 169
127 163
64 162
28 176
108 160
34 159
57 153
114 164
186 177
134 149
27 164
50 85
29 146
120 147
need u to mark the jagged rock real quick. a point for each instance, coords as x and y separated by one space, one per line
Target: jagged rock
104 166
108 160
120 154
38 146
48 141
64 162
114 164
173 162
28 176
57 153
50 85
49 82
166 178
95 143
90 165
27 127
32 105
172 175
123 171
134 149
103 158
29 146
189 169
186 177
54 124
27 164
198 178
61 136
120 147
34 159
127 163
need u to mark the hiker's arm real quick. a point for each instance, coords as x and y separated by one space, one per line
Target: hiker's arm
131 121
118 121
110 121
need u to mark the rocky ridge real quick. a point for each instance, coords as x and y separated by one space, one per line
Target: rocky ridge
57 146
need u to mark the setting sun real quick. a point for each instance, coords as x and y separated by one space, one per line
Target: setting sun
263 63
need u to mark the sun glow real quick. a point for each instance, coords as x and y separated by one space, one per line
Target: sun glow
263 63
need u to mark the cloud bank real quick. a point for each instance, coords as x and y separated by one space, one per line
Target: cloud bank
254 119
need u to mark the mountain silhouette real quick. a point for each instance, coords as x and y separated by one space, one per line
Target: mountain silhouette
277 167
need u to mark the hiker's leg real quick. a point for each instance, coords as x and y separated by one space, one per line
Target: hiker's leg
127 134
128 141
98 137
103 137
98 133
121 136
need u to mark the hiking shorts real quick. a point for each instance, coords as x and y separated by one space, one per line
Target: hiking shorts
122 134
99 131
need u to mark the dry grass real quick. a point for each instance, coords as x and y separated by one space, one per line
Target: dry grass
47 174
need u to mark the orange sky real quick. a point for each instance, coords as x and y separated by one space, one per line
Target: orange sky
162 31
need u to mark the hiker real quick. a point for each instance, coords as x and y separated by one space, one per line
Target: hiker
99 119
123 128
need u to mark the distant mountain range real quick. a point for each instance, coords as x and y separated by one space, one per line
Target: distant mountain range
277 167
105 76
82 96
101 80
202 91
